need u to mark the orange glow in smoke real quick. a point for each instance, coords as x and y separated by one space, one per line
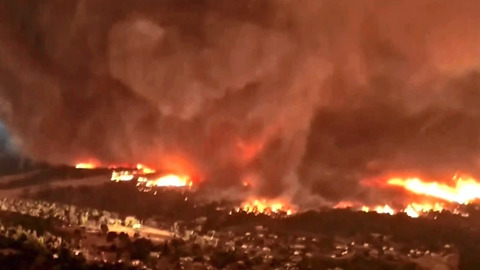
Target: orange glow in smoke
248 151
263 206
180 165
464 190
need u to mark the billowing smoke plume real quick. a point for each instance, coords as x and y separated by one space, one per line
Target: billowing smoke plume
302 97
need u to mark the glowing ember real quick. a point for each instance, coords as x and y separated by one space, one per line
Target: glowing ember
264 206
464 191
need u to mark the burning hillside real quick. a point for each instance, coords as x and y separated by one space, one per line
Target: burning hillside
418 197
143 175
263 206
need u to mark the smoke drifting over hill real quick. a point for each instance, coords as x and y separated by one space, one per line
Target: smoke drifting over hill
5 141
301 97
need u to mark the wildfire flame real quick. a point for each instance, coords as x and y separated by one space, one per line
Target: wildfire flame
93 165
86 165
144 169
170 180
385 209
465 190
141 172
461 190
437 196
248 151
264 206
413 210
381 209
122 176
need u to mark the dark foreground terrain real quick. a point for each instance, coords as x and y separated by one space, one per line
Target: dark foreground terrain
114 226
212 236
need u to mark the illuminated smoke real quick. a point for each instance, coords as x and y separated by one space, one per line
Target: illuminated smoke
301 97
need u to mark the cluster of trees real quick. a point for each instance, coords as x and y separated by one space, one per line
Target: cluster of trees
136 248
37 224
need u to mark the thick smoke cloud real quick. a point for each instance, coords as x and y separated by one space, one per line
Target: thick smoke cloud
300 98
6 145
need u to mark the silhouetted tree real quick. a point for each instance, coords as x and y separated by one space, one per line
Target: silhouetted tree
111 236
104 228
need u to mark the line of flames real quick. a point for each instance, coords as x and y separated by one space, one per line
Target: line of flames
264 206
462 190
168 180
143 176
141 173
413 210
